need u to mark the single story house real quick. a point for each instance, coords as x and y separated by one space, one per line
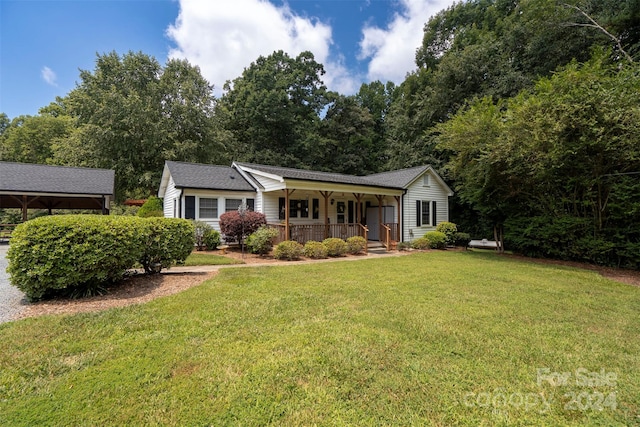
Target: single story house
305 205
33 186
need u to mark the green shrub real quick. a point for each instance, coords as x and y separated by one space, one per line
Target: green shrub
151 208
449 229
356 245
421 243
212 239
436 239
78 253
167 241
73 251
335 247
200 229
462 239
403 246
288 250
568 238
315 250
261 241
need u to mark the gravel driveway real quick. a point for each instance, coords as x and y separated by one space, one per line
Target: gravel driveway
11 299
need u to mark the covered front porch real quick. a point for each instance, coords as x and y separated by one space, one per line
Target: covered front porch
308 215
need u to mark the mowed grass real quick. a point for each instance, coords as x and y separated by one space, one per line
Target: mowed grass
196 258
434 338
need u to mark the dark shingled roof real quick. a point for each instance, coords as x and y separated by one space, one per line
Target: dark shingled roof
211 177
33 178
308 175
400 178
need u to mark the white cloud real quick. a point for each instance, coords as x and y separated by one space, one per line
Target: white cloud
224 37
391 50
49 76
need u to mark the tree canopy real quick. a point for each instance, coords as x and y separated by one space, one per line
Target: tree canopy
558 164
134 114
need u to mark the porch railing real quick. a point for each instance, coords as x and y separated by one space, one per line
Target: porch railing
303 233
390 234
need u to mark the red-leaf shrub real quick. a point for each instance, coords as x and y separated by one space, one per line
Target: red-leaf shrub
231 224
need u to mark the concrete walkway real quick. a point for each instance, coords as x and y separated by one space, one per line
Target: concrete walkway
12 300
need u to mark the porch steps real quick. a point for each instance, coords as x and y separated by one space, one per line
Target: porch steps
375 247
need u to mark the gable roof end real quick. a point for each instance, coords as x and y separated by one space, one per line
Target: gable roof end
209 177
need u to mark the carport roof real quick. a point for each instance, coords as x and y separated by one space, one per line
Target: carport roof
22 178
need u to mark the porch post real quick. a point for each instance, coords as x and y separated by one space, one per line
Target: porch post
286 213
25 203
358 197
326 195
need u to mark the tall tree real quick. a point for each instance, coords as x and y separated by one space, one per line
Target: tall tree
134 114
30 139
346 141
273 108
557 166
490 48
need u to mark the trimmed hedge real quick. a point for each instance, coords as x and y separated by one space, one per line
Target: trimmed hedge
430 240
55 253
356 245
289 250
462 239
450 230
335 247
212 239
166 241
436 239
261 241
316 250
421 243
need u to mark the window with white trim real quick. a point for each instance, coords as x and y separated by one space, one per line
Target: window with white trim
425 213
232 204
208 208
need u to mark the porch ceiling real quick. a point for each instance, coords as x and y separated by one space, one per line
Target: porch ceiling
293 184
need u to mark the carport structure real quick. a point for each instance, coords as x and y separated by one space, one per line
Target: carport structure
31 186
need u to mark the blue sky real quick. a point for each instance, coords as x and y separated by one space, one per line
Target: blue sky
43 43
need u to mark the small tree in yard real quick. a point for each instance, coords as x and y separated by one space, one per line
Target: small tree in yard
233 225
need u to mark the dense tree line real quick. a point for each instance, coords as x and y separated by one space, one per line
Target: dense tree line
527 107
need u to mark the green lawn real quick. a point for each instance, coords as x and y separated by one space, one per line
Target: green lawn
437 338
209 259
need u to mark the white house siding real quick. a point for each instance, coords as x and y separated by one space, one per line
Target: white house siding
418 191
171 196
221 196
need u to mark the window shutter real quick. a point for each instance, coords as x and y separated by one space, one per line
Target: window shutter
251 204
190 207
316 208
418 213
281 212
433 214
